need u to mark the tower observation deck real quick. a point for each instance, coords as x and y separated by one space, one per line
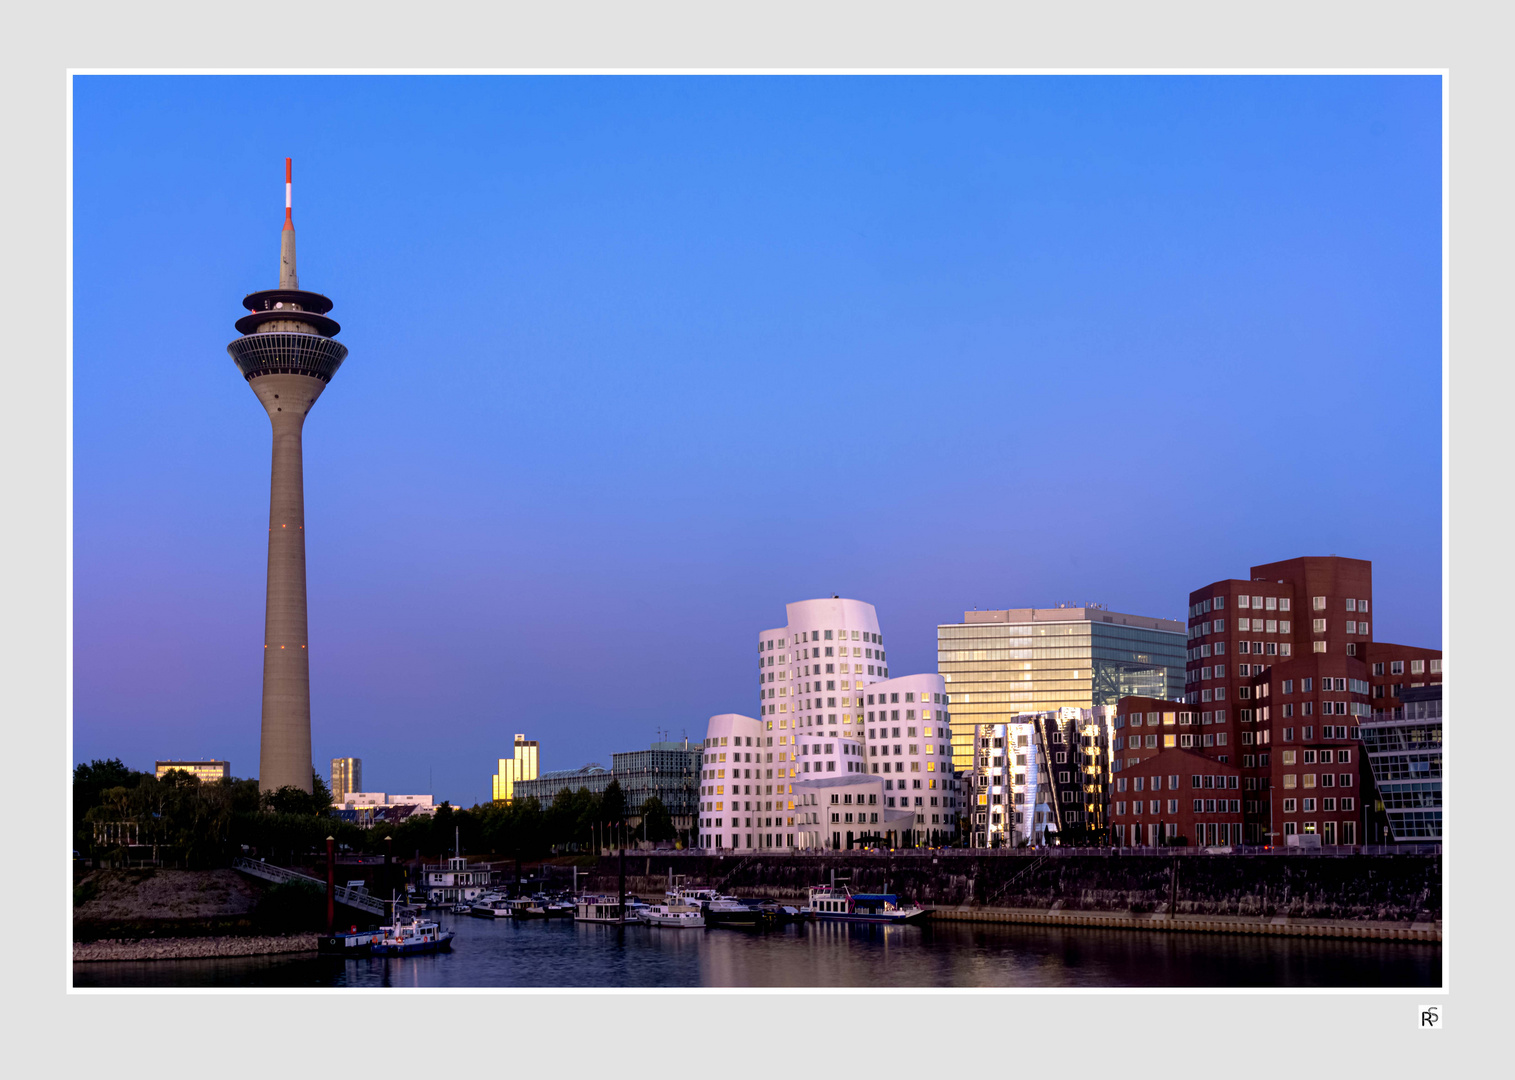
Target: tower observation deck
287 355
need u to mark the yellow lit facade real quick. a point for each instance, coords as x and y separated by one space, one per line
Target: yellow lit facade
998 664
346 777
521 766
207 772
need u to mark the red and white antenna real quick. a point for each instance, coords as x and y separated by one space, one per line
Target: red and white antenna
289 178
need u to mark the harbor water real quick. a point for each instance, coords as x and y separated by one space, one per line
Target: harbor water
562 953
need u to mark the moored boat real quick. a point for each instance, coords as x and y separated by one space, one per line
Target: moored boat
636 909
602 909
407 938
675 915
689 894
730 911
779 914
529 907
838 903
346 944
491 906
561 907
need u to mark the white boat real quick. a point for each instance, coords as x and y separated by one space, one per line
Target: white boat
676 915
561 908
688 894
528 907
730 911
491 906
838 903
602 909
415 936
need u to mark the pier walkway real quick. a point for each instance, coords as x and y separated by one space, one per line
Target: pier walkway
277 874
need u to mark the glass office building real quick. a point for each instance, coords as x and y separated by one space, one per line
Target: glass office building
998 664
668 770
346 777
1403 746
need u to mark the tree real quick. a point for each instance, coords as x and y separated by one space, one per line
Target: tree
288 800
91 783
657 823
245 798
320 794
613 804
587 817
99 775
562 817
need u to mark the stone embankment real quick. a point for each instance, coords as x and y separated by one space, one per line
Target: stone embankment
158 914
147 902
191 948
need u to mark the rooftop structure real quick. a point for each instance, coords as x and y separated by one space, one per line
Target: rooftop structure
371 807
594 777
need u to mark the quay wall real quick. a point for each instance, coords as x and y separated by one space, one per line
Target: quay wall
1385 891
191 948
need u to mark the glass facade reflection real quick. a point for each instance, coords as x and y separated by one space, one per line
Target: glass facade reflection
1403 747
998 664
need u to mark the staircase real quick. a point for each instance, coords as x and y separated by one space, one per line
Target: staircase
277 874
1003 889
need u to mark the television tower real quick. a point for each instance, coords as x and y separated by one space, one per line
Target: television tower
287 355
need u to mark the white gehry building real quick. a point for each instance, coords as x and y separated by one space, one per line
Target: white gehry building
840 754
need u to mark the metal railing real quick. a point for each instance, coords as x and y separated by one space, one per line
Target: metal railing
278 874
1056 852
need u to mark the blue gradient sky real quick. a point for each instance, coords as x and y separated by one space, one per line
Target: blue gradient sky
635 361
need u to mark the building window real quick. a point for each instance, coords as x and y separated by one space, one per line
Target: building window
1319 603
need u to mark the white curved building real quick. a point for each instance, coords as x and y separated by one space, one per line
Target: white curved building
833 732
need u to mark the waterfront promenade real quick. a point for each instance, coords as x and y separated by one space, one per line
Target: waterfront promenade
1345 894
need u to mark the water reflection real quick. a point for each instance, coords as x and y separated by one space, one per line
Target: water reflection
507 953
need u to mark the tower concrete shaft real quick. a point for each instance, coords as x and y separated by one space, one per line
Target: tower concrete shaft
287 356
284 754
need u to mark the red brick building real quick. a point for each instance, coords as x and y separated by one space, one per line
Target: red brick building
1146 726
1392 668
1280 666
1176 796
